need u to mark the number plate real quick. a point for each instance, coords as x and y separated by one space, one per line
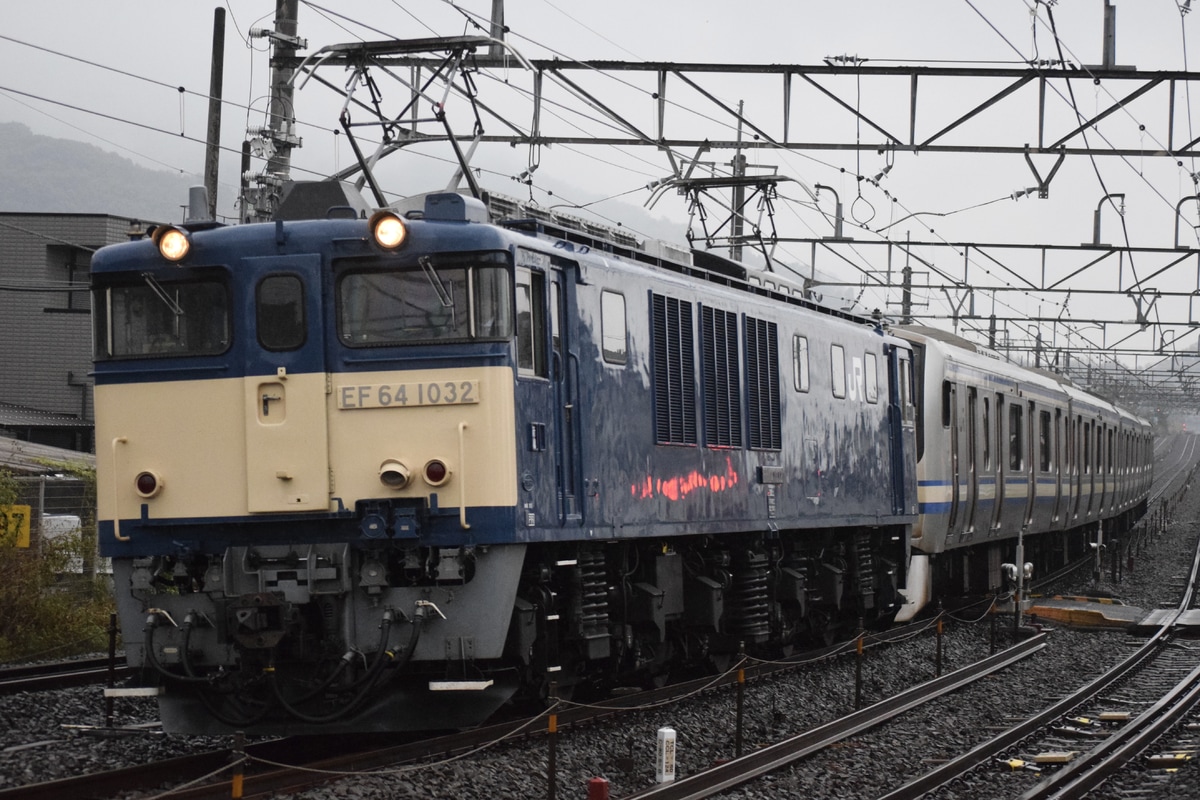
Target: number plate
404 395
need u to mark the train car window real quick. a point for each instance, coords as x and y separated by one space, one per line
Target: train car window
762 385
1044 441
721 377
1087 447
837 366
1111 439
279 312
159 319
947 399
443 299
674 371
800 363
531 322
871 376
986 441
613 328
1015 439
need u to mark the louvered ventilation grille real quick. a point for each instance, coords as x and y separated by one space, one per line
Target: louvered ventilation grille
762 380
722 403
674 372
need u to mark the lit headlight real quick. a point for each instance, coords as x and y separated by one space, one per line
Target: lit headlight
387 229
173 243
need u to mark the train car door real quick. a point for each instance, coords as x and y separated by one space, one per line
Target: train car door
972 460
287 430
565 377
950 422
903 413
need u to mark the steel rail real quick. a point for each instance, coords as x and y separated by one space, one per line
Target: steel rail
748 767
991 749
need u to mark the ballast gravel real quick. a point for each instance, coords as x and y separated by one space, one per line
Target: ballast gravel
44 735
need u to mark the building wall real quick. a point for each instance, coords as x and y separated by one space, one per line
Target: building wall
45 315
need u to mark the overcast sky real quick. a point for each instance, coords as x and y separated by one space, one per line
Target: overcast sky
108 73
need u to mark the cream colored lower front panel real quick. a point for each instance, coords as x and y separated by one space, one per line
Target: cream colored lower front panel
462 417
189 433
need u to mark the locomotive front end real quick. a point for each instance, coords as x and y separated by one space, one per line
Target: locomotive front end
308 483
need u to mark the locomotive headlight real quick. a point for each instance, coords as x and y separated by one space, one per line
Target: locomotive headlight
148 483
173 243
387 229
436 472
393 474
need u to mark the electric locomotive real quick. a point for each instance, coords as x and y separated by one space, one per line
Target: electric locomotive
381 474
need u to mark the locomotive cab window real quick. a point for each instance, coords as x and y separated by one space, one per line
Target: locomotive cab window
531 316
279 312
161 319
439 299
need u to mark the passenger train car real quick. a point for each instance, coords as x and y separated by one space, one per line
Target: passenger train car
1004 451
383 473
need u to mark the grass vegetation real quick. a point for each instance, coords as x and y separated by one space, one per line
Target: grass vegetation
46 611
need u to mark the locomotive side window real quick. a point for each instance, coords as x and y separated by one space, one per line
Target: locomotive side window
762 384
531 316
437 300
153 319
800 363
871 376
837 366
613 328
279 312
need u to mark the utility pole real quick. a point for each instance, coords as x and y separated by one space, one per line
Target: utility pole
279 137
212 151
495 50
739 193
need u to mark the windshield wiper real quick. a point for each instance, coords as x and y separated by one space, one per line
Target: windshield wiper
158 289
435 281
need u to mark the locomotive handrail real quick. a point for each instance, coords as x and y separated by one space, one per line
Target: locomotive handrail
116 494
462 476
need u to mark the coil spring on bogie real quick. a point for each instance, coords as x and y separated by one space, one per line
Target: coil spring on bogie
593 594
747 611
865 575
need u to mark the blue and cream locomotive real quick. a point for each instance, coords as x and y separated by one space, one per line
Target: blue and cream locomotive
380 473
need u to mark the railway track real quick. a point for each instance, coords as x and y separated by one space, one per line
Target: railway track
62 674
1097 730
289 765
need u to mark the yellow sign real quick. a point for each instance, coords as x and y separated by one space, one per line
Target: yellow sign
14 521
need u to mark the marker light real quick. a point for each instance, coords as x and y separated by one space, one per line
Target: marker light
173 243
436 472
387 229
393 474
147 483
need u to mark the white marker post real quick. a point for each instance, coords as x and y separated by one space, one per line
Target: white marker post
664 762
